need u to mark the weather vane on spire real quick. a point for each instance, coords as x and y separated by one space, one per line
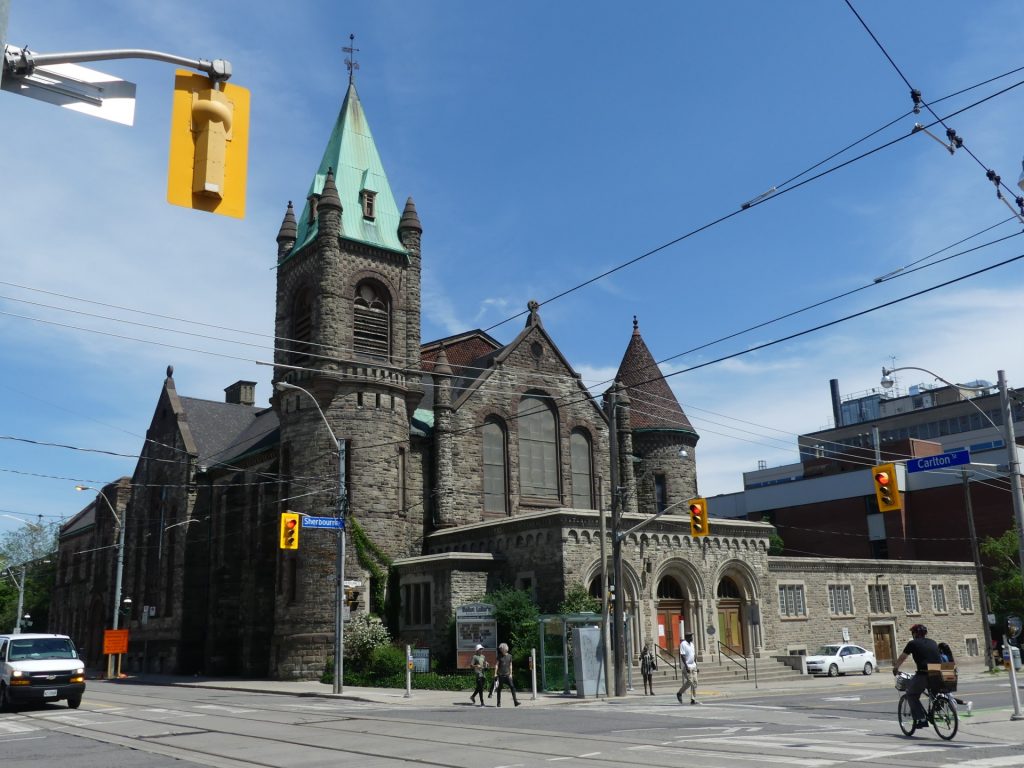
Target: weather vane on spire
351 62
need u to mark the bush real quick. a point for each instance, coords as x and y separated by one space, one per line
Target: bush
387 661
362 635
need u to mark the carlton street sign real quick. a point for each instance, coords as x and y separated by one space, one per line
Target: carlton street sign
939 461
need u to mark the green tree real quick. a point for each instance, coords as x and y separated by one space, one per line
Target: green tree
579 600
1005 590
776 546
516 615
33 546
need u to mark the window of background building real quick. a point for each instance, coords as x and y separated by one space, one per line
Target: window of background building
416 604
538 449
840 599
910 596
972 645
371 333
939 598
791 600
582 484
878 598
494 467
966 603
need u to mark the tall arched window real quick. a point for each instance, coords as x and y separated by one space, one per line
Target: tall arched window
495 496
371 334
301 326
538 449
582 483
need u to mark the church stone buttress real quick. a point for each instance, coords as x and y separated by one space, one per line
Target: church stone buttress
347 327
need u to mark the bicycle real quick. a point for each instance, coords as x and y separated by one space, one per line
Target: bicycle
941 710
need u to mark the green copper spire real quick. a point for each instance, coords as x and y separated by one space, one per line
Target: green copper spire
357 170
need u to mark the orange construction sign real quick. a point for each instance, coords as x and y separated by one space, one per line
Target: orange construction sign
115 641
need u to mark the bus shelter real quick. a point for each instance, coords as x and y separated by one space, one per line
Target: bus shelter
555 630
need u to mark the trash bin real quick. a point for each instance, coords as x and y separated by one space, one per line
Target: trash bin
1016 656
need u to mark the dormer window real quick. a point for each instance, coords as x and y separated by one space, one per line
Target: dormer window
369 200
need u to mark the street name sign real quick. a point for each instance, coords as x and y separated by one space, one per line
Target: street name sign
323 522
939 461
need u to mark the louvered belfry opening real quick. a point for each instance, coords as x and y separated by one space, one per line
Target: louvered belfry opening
372 327
302 328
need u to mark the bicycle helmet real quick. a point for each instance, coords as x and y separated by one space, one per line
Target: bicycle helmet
919 630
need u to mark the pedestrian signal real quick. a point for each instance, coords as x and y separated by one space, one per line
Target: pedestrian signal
698 517
886 490
289 530
209 145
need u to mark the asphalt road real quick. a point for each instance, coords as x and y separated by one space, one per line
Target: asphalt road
820 727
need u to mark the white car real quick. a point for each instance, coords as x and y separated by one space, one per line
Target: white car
841 658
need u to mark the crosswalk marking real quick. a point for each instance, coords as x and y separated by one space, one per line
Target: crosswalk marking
1008 761
16 726
220 708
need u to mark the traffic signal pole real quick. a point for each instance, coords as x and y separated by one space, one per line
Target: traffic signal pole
22 62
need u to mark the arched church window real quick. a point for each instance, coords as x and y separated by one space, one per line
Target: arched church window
371 336
727 588
495 472
582 474
669 589
538 448
301 327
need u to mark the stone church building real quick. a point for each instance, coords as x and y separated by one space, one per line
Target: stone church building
468 464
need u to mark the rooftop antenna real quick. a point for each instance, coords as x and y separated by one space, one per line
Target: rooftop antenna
351 62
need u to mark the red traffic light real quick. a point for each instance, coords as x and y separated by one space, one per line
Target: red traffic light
289 524
882 478
695 509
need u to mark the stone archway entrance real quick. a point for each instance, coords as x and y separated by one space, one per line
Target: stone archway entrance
671 612
730 616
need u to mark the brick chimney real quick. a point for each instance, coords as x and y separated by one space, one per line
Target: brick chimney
241 393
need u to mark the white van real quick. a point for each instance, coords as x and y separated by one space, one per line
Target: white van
38 669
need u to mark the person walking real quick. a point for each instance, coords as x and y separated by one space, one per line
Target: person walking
479 665
648 665
688 664
503 673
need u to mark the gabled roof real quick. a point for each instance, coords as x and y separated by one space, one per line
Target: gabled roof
352 154
654 406
217 427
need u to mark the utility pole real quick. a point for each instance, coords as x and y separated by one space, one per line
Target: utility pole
21 598
982 596
618 607
1013 466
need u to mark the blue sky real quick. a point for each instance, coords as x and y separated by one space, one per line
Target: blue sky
544 144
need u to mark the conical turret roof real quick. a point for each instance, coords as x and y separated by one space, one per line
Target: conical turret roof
654 406
352 154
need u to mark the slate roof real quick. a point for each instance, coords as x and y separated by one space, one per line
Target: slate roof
654 406
225 430
352 154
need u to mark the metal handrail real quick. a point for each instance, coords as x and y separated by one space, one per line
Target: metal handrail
735 658
664 655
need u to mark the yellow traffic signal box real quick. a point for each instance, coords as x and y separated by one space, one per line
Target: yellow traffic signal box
698 517
209 151
289 530
887 491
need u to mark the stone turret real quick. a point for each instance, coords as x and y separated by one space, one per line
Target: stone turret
286 234
444 467
410 232
329 208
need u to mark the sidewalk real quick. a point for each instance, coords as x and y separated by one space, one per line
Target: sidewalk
988 723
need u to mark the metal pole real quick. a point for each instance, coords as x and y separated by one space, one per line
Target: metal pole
408 672
1013 466
605 644
618 609
982 597
339 568
1014 693
533 672
21 600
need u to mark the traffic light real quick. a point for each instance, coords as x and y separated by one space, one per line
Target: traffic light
698 517
209 151
886 490
289 530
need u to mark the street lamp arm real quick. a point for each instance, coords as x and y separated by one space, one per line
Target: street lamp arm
283 386
887 382
113 511
622 535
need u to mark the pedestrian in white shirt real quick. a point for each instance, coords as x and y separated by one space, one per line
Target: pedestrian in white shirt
688 659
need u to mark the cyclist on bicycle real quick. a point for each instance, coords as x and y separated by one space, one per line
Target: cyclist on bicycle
925 651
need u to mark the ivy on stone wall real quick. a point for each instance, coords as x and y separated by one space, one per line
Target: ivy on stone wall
371 558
